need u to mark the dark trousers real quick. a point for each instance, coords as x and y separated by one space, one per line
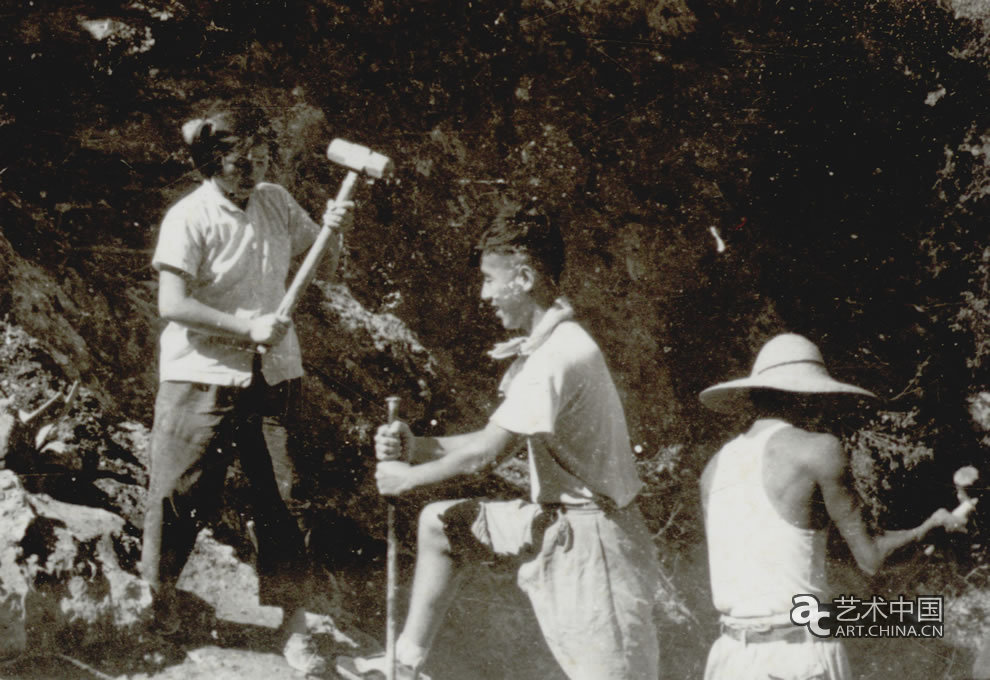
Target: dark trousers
199 429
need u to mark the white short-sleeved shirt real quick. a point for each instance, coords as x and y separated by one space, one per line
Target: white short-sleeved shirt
236 261
562 398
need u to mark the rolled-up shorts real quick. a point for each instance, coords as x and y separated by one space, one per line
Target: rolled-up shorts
590 574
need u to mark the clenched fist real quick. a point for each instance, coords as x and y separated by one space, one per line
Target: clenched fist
394 441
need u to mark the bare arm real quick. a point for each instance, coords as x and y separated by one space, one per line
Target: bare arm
445 458
427 449
834 478
705 486
176 304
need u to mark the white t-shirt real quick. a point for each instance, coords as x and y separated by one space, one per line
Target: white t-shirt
562 398
236 261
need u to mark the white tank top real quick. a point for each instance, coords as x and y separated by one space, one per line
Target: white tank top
758 561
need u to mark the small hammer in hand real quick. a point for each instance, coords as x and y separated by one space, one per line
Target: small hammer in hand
357 159
964 478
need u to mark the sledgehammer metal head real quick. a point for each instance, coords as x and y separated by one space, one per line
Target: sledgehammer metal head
359 158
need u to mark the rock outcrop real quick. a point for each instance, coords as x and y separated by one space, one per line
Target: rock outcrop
66 573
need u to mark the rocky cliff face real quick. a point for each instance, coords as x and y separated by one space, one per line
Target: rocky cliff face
67 574
722 171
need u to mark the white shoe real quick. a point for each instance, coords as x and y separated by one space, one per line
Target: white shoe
301 653
373 667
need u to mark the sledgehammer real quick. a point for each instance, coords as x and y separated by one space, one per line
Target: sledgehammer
357 159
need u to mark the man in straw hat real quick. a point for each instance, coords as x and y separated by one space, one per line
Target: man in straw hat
767 497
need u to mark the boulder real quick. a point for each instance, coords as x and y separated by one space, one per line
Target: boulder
66 573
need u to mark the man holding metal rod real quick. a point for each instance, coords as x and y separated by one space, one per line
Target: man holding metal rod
584 556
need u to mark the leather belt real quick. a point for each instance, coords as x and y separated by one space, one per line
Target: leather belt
787 632
586 507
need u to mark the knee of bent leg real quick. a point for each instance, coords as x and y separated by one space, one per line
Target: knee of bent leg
431 526
447 526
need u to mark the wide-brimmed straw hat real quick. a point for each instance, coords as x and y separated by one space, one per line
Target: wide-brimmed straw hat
788 362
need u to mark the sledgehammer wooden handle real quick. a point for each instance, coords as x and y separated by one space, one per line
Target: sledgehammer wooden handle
307 270
357 159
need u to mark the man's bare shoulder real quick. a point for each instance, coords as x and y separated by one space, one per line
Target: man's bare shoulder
706 475
705 481
819 452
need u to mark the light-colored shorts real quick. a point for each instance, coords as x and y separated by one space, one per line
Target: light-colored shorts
810 659
590 574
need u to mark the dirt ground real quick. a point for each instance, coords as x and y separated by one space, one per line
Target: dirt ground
226 634
490 633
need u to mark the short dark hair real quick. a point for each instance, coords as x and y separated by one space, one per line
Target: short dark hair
770 402
524 233
208 137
